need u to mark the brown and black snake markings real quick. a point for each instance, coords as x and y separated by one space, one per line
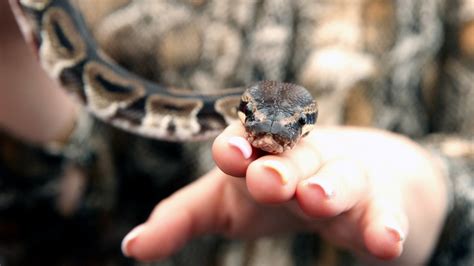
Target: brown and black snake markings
275 114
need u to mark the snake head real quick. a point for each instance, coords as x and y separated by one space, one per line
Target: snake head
276 115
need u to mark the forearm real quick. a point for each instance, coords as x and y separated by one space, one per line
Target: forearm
32 106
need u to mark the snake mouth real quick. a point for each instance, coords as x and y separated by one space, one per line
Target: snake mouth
270 143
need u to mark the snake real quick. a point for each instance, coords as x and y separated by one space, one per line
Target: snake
275 114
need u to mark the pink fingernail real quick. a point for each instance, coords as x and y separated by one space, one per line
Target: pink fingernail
242 145
394 228
279 168
128 239
322 184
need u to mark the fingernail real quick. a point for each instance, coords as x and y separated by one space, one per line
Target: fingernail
394 228
242 145
129 238
322 184
280 169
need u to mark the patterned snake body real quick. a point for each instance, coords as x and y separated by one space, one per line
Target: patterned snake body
69 53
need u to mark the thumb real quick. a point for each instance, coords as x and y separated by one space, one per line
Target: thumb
189 212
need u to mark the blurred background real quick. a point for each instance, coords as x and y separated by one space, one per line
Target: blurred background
71 186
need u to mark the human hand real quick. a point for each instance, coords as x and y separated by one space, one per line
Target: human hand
360 189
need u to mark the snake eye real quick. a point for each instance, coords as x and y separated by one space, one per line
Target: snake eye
246 108
302 120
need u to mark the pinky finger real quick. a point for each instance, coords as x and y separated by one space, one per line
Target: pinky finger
384 230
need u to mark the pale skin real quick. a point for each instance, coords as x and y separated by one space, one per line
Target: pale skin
32 106
375 193
371 192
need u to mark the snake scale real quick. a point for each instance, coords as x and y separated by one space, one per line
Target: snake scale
275 114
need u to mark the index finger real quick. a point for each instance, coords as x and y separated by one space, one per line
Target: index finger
232 152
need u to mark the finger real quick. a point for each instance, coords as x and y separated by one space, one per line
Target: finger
232 152
385 226
335 188
191 211
273 178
